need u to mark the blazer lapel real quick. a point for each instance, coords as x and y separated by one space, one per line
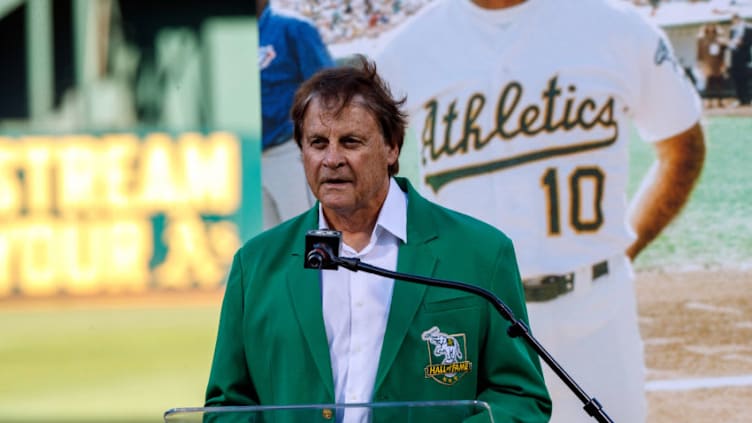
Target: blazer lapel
304 286
415 257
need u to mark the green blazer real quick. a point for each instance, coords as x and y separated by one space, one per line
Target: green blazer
272 349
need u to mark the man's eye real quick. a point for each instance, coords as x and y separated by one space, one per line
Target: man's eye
317 143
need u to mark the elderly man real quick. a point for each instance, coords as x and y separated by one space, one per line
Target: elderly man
289 335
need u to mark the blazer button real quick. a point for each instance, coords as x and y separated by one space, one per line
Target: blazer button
327 413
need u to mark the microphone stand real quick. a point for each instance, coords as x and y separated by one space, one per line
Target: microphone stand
320 256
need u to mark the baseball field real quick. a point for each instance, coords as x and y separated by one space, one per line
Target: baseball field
130 359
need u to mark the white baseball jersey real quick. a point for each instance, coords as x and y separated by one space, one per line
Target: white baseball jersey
524 116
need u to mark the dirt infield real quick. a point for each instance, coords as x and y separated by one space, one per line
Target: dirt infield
697 328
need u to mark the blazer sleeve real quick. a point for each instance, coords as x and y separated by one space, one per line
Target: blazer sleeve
229 380
511 380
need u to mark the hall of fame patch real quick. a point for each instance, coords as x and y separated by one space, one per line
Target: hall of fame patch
447 362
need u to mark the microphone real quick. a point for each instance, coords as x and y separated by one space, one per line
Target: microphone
322 247
322 252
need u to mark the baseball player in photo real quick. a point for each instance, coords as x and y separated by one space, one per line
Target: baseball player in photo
523 111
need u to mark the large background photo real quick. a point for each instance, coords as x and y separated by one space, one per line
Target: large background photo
692 283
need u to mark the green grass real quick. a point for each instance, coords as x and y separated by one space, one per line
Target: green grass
97 364
127 364
715 227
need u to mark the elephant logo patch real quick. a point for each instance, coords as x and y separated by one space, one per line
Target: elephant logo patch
447 356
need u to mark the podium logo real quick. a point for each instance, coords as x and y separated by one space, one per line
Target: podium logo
447 362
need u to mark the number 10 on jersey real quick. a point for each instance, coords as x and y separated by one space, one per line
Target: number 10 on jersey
582 184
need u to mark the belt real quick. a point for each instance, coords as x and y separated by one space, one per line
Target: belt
546 288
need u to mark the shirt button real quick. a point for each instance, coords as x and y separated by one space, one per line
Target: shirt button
327 413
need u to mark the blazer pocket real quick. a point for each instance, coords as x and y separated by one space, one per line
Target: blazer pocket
457 303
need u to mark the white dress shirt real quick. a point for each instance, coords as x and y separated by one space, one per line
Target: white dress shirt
356 307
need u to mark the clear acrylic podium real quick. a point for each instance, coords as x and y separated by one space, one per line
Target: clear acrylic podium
386 412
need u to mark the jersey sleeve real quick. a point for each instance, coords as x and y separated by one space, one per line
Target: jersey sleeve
667 103
312 53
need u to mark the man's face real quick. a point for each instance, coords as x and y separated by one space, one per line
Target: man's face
346 159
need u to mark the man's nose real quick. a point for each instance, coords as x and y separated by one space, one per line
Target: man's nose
333 156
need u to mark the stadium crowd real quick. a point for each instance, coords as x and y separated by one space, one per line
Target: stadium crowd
341 21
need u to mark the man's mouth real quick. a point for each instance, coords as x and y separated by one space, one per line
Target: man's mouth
335 181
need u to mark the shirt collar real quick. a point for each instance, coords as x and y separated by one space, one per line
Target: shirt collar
392 216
